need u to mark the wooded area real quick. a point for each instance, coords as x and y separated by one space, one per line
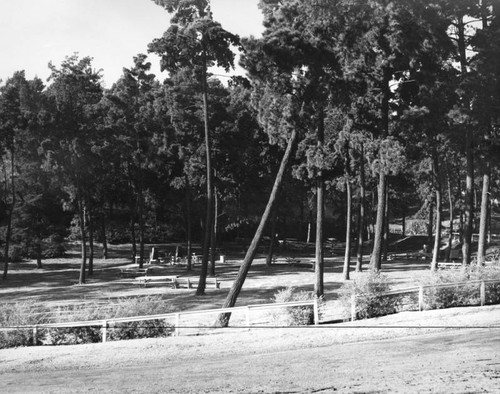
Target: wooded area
354 116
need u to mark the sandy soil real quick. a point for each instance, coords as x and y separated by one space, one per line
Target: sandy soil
446 351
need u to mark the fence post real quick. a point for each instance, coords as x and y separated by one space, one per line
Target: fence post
177 323
35 334
316 311
421 298
482 293
353 307
104 330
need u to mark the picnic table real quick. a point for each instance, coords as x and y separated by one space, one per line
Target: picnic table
144 281
134 272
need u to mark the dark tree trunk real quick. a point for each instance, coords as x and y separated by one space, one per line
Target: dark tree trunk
104 237
386 224
213 238
375 261
8 233
347 258
141 227
320 213
272 237
481 250
232 296
91 245
189 241
134 239
210 188
362 219
39 252
81 213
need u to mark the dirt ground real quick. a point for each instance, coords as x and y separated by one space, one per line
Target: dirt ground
447 351
454 350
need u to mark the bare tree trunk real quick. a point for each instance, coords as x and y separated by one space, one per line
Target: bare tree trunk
375 261
213 239
385 245
320 214
8 233
481 250
81 213
437 235
347 258
134 238
232 296
362 219
210 189
469 154
189 235
104 236
39 252
141 227
91 245
272 237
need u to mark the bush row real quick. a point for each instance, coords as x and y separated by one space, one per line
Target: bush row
14 316
371 301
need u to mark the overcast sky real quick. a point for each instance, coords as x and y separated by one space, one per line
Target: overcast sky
34 32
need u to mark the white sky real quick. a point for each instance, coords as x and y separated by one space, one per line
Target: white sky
34 32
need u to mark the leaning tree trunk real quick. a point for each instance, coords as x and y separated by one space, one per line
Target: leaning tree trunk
210 189
481 250
232 296
347 258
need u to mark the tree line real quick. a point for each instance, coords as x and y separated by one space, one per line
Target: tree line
384 108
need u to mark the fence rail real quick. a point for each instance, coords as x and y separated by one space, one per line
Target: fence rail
176 316
420 289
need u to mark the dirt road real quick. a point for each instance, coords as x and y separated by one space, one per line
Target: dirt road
404 353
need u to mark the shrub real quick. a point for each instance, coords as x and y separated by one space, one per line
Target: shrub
21 314
367 290
15 315
296 315
464 294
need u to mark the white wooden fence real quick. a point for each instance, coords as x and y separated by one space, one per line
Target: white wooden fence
177 316
420 289
246 310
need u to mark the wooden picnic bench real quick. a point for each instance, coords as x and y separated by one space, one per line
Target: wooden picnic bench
134 272
190 282
145 281
173 280
449 265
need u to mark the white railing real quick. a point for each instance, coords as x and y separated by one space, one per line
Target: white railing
420 289
106 323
